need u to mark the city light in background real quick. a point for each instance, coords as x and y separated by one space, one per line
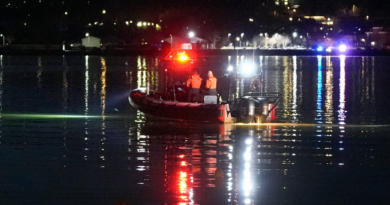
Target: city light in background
297 30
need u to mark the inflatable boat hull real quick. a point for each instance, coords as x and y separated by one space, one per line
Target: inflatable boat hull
157 109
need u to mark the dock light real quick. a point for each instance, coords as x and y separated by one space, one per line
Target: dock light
342 48
329 49
320 48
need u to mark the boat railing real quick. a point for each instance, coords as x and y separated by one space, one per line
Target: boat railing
263 94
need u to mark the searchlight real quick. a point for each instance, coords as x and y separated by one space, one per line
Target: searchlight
247 69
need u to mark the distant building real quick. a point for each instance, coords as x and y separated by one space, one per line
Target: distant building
378 38
321 19
186 43
90 42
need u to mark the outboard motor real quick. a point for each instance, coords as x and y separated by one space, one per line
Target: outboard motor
255 107
246 110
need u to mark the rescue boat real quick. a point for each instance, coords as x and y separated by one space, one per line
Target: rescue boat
251 108
170 103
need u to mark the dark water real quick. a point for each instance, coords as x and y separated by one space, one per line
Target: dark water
68 135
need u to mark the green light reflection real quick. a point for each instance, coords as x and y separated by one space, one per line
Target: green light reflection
47 116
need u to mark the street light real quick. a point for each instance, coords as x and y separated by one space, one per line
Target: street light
295 34
1 35
237 39
242 37
191 34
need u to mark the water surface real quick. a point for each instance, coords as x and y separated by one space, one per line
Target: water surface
69 136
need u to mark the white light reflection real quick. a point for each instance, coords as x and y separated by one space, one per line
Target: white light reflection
86 94
342 112
249 141
294 112
229 184
247 181
287 86
329 116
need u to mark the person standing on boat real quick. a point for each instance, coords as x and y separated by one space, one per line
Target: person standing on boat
193 83
211 84
256 84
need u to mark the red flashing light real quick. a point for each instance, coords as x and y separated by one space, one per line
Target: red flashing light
183 57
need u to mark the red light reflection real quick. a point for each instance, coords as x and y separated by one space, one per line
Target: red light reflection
178 182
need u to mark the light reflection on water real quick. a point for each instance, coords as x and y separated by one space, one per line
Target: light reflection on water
189 163
323 89
245 165
100 151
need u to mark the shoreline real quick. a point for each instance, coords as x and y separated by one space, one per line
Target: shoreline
210 52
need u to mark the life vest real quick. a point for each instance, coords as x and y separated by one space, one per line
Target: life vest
211 82
194 81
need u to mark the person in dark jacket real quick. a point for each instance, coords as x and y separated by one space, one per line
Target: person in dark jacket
223 87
